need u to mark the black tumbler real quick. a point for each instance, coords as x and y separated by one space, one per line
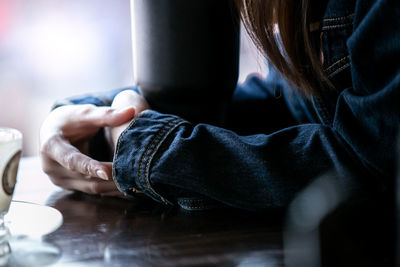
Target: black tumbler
186 55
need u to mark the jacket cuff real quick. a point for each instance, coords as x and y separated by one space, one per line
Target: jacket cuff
138 145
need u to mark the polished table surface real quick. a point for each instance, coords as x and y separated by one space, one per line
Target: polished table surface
109 231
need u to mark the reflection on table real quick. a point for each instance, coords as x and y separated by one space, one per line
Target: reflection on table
107 231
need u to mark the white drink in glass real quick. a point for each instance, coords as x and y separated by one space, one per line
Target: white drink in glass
10 153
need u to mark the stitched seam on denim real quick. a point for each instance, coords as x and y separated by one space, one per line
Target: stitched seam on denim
337 62
117 153
151 156
338 70
149 145
190 207
191 200
149 153
339 66
339 18
336 26
134 190
195 207
200 202
141 179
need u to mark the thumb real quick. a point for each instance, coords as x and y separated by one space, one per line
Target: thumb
119 116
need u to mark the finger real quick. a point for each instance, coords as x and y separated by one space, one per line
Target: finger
67 179
57 172
54 170
62 177
130 98
98 117
82 121
92 186
125 99
71 158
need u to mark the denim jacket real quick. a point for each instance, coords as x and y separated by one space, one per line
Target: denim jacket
277 141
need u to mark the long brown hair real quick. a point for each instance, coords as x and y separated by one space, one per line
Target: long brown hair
281 30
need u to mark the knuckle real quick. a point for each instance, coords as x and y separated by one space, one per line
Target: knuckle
103 115
86 109
69 161
84 168
47 146
90 168
108 111
76 162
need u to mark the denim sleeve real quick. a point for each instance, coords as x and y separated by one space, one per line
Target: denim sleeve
171 160
368 114
260 100
168 159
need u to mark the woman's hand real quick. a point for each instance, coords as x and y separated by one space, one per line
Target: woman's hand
64 139
126 99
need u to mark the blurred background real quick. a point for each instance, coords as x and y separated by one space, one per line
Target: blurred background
52 49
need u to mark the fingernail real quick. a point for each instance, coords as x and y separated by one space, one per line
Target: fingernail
102 174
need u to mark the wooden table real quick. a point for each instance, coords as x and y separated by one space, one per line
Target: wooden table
106 231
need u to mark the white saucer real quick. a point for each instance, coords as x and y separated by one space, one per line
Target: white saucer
28 219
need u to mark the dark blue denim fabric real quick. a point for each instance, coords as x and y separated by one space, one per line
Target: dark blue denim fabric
277 141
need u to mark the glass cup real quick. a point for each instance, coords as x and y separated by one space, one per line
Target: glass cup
10 153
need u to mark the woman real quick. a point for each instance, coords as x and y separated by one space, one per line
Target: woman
336 109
